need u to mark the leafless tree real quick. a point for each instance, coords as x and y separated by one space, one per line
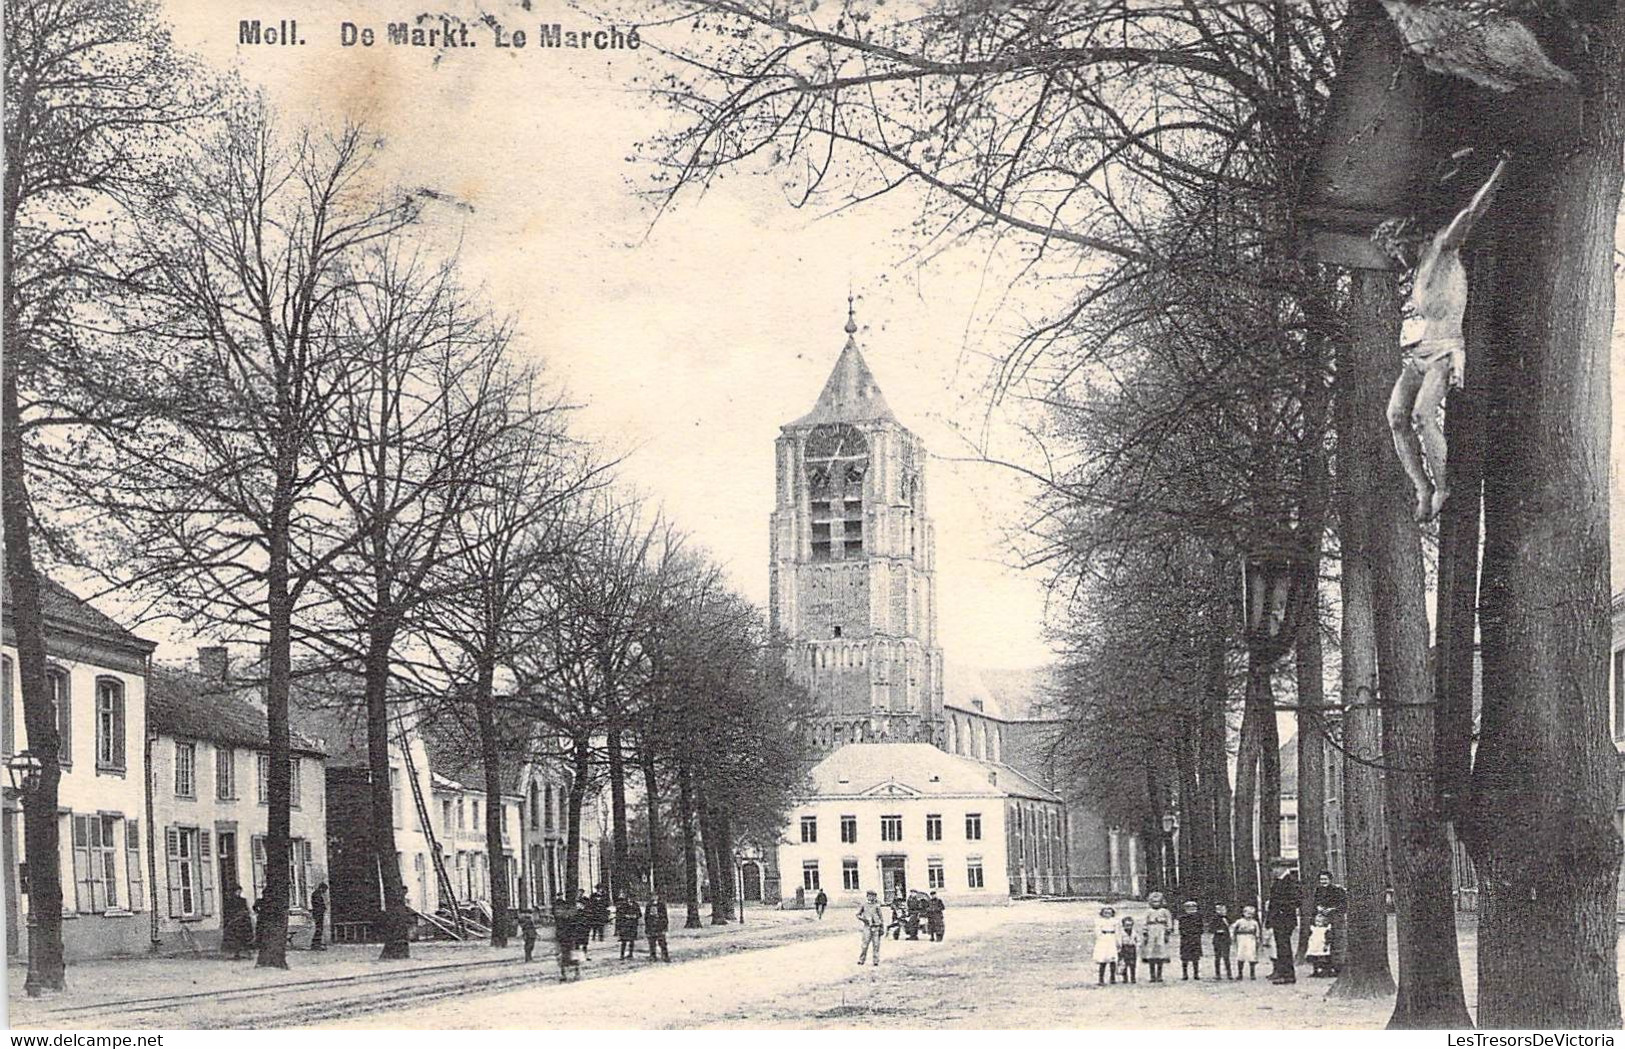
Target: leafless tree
95 100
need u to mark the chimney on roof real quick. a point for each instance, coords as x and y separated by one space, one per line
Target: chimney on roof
213 663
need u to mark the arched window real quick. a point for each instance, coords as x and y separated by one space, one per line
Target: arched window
62 702
110 724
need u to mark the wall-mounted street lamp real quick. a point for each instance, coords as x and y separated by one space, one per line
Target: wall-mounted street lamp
24 770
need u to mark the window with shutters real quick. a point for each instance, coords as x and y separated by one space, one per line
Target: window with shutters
8 712
185 769
191 872
62 703
109 724
225 773
299 871
262 777
134 872
95 863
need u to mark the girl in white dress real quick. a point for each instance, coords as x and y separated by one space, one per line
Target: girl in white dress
1106 943
1244 938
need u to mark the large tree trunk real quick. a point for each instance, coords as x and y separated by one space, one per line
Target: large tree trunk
491 765
719 871
1246 805
691 868
1430 991
1269 780
651 802
580 769
1195 867
1311 758
46 968
376 689
621 873
1365 972
1215 762
273 927
1546 777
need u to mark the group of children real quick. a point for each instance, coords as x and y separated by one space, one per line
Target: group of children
1121 944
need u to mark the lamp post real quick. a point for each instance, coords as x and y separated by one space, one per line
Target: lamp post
1170 850
24 771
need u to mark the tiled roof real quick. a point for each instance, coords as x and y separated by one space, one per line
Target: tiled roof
188 705
1006 694
65 609
851 393
917 768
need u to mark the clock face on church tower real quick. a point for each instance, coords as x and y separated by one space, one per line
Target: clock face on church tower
836 458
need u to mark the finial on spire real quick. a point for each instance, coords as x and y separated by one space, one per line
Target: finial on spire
851 316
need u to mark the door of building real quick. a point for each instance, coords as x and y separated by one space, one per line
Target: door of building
894 877
227 862
751 875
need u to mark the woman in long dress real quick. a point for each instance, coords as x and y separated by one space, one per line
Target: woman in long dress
1244 935
1106 943
1157 932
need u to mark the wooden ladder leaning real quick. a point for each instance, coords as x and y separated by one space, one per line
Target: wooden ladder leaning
448 892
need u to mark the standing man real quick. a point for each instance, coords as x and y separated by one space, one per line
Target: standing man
527 929
318 916
935 921
1281 915
655 924
820 902
873 920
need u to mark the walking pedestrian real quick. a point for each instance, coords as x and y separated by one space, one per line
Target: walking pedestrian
1281 915
873 920
1191 927
1220 924
1128 950
820 902
655 923
935 916
259 921
1154 937
1244 931
527 929
582 922
600 914
1106 932
898 909
626 926
318 916
567 928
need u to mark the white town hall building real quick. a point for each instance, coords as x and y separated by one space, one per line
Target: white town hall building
926 783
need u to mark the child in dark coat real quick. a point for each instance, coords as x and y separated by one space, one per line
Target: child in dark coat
1191 927
1220 924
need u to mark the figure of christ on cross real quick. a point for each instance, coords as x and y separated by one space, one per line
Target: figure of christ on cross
1433 353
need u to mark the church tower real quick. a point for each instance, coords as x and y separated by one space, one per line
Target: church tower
853 575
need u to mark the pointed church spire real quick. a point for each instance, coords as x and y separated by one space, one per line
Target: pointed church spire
851 393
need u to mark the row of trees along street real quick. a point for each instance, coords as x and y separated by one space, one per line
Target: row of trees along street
1204 398
244 386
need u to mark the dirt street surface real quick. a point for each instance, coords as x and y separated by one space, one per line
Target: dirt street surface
1022 966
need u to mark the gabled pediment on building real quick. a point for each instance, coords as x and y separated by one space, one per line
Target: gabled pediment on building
891 789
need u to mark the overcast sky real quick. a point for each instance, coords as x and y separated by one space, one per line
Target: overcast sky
690 343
